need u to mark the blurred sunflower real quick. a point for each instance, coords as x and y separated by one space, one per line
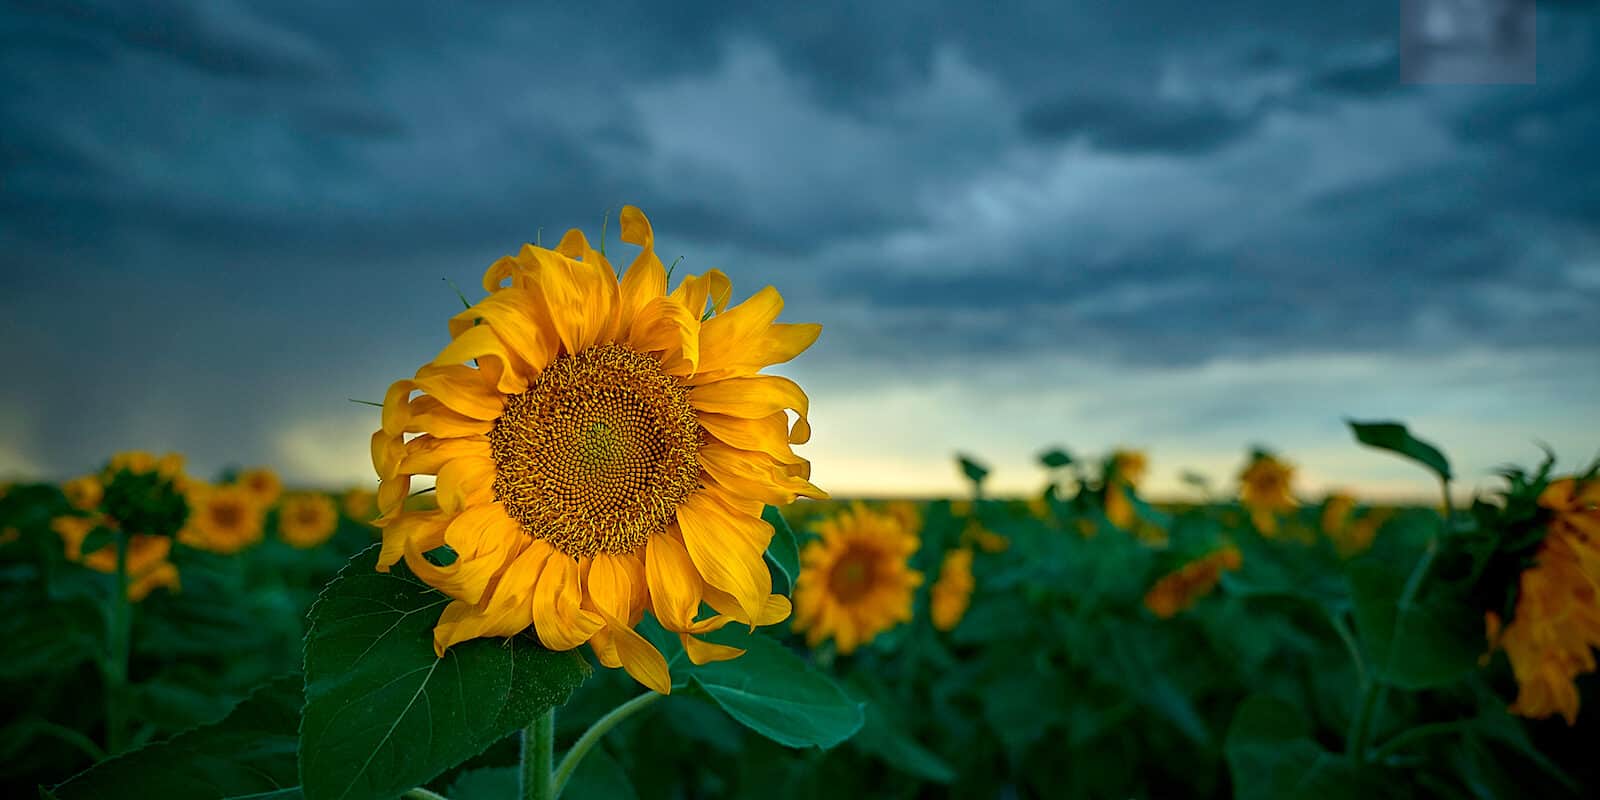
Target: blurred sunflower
84 493
360 504
988 541
1128 467
1556 623
262 484
906 511
148 567
222 519
1264 490
951 594
1181 589
610 452
855 582
307 520
1336 511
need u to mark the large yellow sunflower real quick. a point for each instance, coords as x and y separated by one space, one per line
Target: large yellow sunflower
1264 490
610 452
222 519
854 581
307 520
952 592
1551 640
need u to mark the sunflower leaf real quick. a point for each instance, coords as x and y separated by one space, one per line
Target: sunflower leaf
249 752
1272 755
776 694
1394 437
783 553
1426 644
383 714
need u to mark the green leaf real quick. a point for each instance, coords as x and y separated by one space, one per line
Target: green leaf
1055 459
882 737
382 713
1272 756
1394 437
774 693
1432 642
250 751
50 637
974 471
597 775
783 553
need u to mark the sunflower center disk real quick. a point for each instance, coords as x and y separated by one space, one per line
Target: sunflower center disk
598 453
852 576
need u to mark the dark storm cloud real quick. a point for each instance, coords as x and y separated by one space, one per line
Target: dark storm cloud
249 188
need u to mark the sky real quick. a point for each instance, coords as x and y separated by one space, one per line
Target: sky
1187 228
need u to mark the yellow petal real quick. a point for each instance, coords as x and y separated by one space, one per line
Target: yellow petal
426 454
558 618
505 367
484 540
462 389
465 481
645 279
694 290
428 415
755 397
396 408
704 652
663 325
768 435
675 585
754 475
641 659
398 530
720 543
610 584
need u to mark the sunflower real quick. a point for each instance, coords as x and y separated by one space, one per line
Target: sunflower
307 520
1336 511
611 452
147 564
1182 589
906 511
1128 467
1119 508
1556 626
855 582
84 493
262 484
988 541
359 504
953 591
1264 490
222 519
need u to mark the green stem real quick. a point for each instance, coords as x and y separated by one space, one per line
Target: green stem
1348 637
118 633
1377 692
591 737
538 754
1418 733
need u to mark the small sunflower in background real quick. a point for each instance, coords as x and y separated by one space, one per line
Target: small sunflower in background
1264 489
148 567
223 519
905 511
263 485
952 592
360 504
1129 466
601 447
855 581
1181 589
1123 472
84 493
306 520
1556 625
986 540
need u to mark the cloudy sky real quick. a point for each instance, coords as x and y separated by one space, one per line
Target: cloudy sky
1187 227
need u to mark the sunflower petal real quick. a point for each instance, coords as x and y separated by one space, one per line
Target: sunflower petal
676 587
719 541
559 619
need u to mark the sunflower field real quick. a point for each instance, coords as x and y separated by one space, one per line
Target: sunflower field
593 566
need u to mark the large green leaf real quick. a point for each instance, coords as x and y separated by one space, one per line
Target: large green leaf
1394 437
49 637
776 694
382 713
1272 756
250 751
783 553
882 737
1432 641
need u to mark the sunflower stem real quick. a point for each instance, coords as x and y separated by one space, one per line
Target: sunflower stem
591 737
538 754
1366 721
119 622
